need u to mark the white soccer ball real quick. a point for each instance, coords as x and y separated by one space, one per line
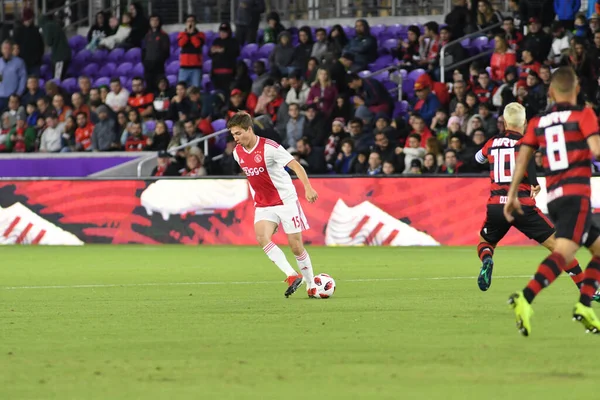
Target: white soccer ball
325 286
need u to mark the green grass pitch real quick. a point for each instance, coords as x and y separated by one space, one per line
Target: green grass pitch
173 322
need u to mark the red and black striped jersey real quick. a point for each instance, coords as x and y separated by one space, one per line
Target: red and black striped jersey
561 133
501 152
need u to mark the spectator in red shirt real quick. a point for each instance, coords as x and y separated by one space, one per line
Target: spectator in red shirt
420 128
83 133
79 105
486 88
503 57
236 103
514 38
190 59
430 49
136 141
528 63
194 163
164 165
139 99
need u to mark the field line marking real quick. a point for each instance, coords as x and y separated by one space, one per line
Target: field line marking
111 285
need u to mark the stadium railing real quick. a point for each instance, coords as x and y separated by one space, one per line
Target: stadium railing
444 60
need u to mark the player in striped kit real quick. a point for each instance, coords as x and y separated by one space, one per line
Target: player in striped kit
264 161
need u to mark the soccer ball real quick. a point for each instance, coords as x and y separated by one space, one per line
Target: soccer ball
325 286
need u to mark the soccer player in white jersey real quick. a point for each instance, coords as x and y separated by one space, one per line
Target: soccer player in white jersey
264 161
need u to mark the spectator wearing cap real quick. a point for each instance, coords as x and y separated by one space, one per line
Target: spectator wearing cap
104 137
363 46
427 103
155 53
27 36
371 94
538 41
236 104
190 41
408 51
560 44
164 165
224 52
315 126
13 75
514 38
540 9
323 93
51 139
430 49
458 18
451 164
21 138
298 93
83 132
486 87
55 38
313 156
140 99
335 139
565 11
339 72
295 126
346 159
502 58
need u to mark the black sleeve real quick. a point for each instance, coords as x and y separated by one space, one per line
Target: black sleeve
532 173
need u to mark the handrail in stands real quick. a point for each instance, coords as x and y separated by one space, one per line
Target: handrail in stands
469 36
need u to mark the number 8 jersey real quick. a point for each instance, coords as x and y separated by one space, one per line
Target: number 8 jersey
560 134
501 152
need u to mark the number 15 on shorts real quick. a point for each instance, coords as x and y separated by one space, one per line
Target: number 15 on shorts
296 222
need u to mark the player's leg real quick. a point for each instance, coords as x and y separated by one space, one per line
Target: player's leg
265 226
583 309
294 222
535 225
493 230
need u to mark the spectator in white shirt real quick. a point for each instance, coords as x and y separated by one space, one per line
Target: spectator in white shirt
51 137
298 92
412 151
117 98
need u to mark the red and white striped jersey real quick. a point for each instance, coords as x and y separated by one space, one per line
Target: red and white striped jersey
264 165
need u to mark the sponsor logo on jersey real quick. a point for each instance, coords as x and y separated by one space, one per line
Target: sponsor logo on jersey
253 171
554 118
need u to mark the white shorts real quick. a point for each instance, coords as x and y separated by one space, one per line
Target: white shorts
290 216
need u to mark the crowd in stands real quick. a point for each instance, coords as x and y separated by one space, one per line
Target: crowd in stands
309 90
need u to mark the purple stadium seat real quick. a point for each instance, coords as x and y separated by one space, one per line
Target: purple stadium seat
70 85
389 45
116 55
207 66
77 42
150 125
465 43
350 31
42 82
219 125
415 74
491 45
90 70
108 70
384 76
134 55
396 30
489 70
210 36
408 87
172 79
205 55
389 85
293 30
248 62
249 50
138 70
82 58
377 30
480 43
364 74
99 56
169 124
172 68
403 73
265 50
173 38
46 59
206 83
104 81
124 69
266 61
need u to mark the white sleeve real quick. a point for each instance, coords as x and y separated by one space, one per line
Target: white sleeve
235 157
480 157
281 156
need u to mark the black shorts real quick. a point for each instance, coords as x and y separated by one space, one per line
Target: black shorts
572 216
532 224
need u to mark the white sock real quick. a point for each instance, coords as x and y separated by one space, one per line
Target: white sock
276 255
306 268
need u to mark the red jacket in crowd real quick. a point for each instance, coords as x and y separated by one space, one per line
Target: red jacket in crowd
484 95
499 62
83 136
140 101
191 48
136 143
525 68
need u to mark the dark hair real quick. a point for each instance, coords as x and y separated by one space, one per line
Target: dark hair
194 90
321 30
433 26
189 121
33 77
450 151
483 72
511 19
81 113
356 121
348 141
484 105
415 136
113 80
137 78
353 77
241 119
305 141
15 96
181 83
190 16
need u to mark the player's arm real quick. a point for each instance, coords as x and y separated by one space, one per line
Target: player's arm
482 155
311 194
594 144
512 203
532 178
589 128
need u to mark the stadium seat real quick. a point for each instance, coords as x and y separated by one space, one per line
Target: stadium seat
70 85
266 50
108 70
172 68
207 66
390 45
124 69
169 124
150 125
249 50
415 74
103 81
173 38
172 79
219 125
138 70
81 58
116 56
133 56
99 56
90 70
